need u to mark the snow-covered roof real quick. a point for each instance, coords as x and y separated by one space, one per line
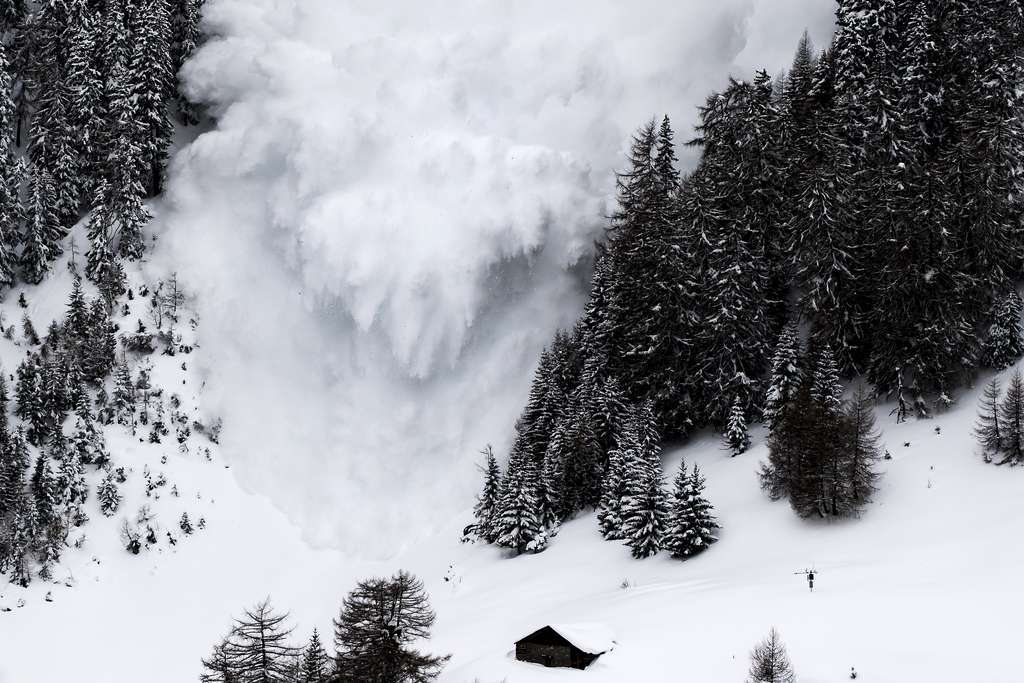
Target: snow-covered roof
593 639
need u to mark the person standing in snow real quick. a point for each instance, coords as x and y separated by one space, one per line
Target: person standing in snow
809 573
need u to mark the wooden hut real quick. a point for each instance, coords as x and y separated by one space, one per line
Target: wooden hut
565 645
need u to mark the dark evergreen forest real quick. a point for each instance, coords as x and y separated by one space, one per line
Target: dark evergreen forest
89 104
867 201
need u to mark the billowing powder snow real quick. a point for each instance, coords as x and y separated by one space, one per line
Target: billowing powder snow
395 211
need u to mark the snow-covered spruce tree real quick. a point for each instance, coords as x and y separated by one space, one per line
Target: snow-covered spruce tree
517 523
85 84
648 283
865 45
797 85
985 164
17 526
48 519
118 212
10 216
40 52
98 358
552 487
52 149
185 28
99 259
10 179
123 398
77 317
648 431
613 487
316 666
108 495
13 464
609 411
769 662
30 406
28 331
644 508
785 374
24 532
564 374
801 115
72 490
1011 414
736 437
533 429
987 430
730 206
124 201
87 441
104 413
768 170
691 524
380 621
114 45
826 389
185 524
644 513
1003 344
829 246
54 393
149 77
256 650
594 323
573 463
487 501
53 340
42 227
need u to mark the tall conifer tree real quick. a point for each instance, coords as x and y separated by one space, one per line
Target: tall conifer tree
785 374
517 522
648 311
487 501
1011 413
987 429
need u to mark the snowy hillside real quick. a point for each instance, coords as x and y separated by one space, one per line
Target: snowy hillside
349 239
923 587
391 237
158 460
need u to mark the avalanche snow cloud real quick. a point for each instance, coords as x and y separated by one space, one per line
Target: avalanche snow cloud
395 210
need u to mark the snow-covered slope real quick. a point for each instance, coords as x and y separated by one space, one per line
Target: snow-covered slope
925 586
383 228
394 212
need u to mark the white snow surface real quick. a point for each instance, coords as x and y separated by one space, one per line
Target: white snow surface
379 232
593 639
925 586
395 211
